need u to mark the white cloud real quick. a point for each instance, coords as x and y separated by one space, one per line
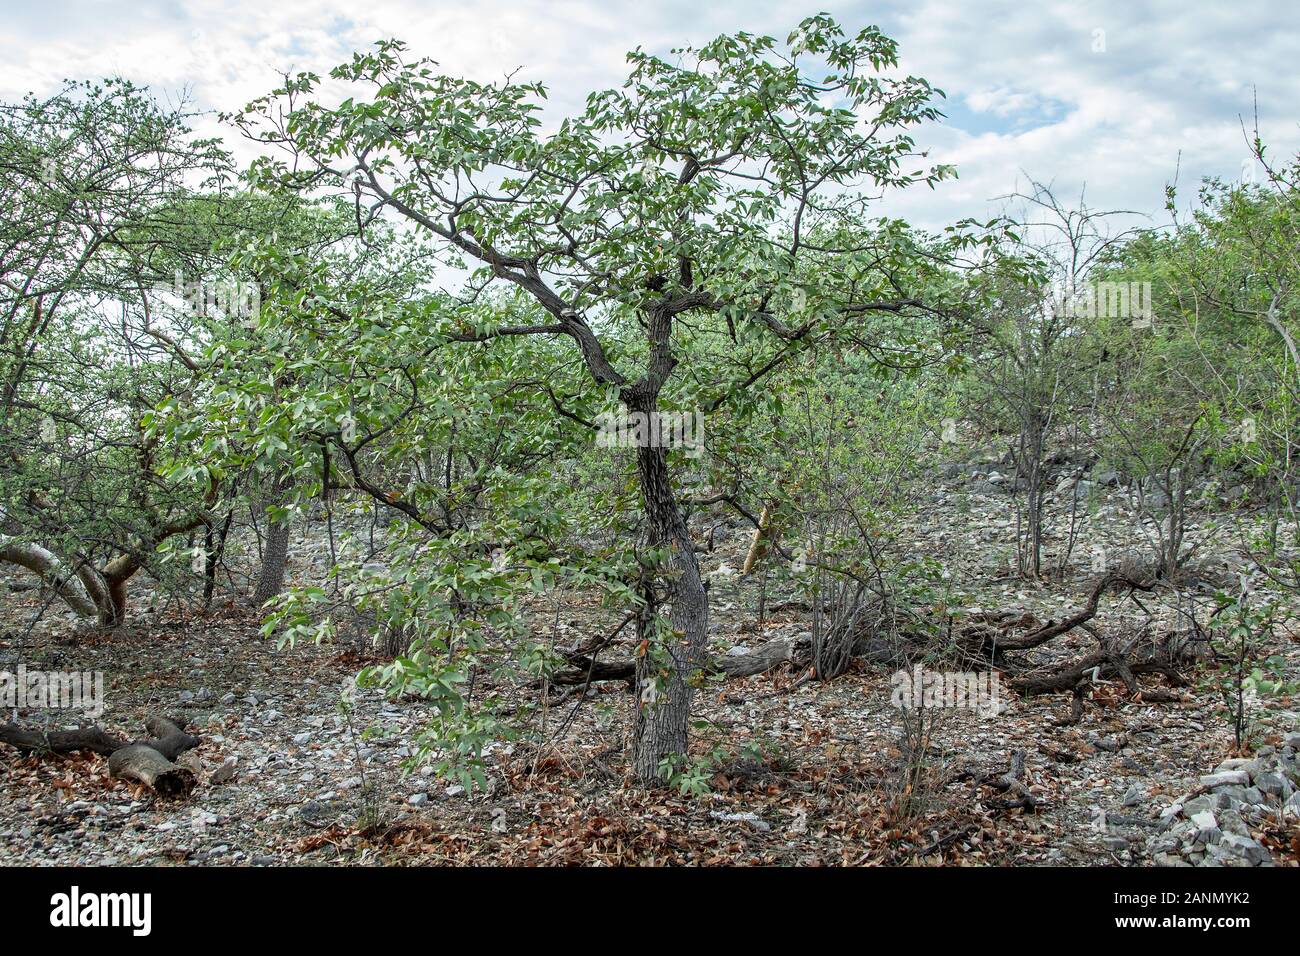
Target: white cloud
1027 91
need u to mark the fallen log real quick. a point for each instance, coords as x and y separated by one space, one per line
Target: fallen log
797 651
92 739
1095 666
147 765
168 738
991 643
147 761
772 654
985 640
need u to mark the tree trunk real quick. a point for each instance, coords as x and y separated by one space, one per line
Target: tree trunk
214 547
665 673
90 591
275 554
116 576
71 588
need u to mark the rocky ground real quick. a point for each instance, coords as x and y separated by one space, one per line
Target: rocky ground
808 774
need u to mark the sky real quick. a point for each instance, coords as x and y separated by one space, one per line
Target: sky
1118 98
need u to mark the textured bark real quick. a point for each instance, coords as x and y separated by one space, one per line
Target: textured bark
52 571
147 761
214 543
92 739
92 593
168 738
757 547
275 554
146 765
663 715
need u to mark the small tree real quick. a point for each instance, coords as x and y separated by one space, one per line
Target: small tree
1239 631
86 179
1030 375
717 194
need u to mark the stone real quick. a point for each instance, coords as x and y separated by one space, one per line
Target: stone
313 813
1239 763
418 799
751 818
225 773
1207 827
1230 821
1165 843
1230 796
1197 804
1227 778
1292 806
1244 848
1274 784
1134 796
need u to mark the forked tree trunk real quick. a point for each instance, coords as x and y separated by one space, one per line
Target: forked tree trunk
99 593
89 592
663 702
52 572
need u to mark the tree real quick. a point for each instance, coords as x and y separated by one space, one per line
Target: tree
1209 388
85 179
1030 374
720 194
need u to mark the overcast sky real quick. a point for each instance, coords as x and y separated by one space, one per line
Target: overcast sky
1112 92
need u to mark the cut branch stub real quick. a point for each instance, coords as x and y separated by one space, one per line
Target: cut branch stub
146 765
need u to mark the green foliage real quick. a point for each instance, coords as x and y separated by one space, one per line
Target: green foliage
1239 633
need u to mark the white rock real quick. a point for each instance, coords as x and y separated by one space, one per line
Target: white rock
751 818
1228 777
